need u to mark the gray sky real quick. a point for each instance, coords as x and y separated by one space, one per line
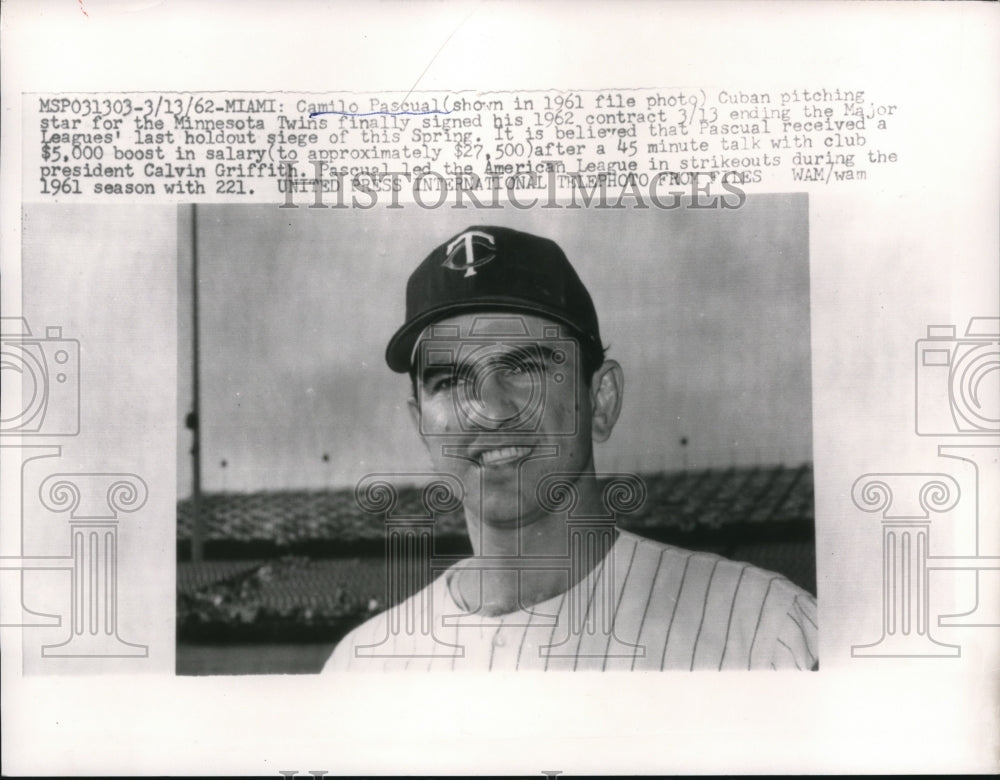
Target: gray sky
707 310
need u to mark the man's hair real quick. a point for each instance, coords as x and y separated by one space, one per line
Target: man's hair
593 359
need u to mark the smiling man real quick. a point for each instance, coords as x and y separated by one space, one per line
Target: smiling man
511 389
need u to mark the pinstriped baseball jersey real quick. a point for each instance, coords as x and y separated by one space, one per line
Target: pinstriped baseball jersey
645 606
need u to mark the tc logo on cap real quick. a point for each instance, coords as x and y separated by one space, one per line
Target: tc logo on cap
467 242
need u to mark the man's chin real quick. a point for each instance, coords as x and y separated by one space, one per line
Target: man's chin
506 517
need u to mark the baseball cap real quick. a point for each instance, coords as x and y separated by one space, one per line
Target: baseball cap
493 268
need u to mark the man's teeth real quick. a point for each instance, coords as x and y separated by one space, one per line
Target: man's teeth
503 454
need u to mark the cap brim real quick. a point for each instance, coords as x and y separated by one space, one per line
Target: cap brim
399 352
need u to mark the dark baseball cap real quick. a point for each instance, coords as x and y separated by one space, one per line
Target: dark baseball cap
493 268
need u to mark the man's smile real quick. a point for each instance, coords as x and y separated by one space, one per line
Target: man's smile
502 455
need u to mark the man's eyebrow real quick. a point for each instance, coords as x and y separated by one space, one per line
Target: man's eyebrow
531 352
432 372
527 353
521 352
546 351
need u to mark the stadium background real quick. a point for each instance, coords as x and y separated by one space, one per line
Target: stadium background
706 309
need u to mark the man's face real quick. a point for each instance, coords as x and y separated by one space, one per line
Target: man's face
501 401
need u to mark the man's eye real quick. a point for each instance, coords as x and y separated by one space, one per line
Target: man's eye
443 384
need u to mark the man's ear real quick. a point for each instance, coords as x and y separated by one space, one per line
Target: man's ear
606 389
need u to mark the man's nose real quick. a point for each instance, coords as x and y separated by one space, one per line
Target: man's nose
499 403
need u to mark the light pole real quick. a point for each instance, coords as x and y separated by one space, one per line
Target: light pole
194 421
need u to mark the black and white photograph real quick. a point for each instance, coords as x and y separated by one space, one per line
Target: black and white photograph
475 388
683 399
